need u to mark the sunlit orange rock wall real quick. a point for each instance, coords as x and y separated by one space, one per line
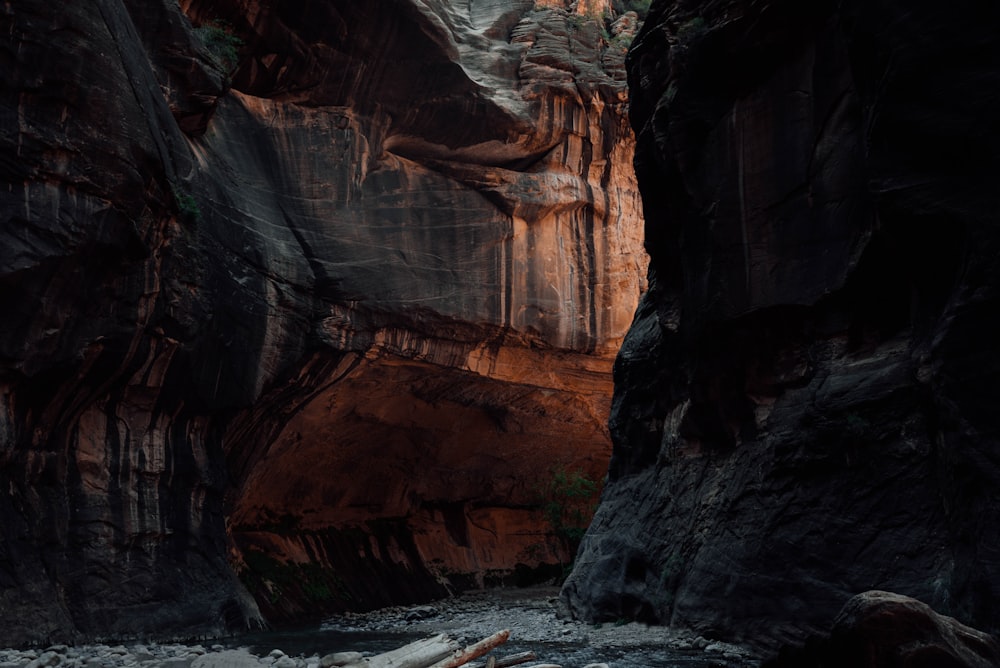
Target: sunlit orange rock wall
332 284
472 236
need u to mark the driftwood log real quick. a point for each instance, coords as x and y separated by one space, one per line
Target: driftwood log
419 654
474 651
439 651
509 660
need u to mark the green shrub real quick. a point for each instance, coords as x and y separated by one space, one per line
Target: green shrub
187 206
640 7
218 38
271 580
622 41
569 500
857 425
576 21
692 29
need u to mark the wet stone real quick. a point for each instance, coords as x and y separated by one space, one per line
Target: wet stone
340 659
176 662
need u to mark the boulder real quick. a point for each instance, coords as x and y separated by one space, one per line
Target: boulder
879 629
230 658
340 659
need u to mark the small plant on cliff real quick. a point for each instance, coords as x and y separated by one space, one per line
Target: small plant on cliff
596 18
273 582
187 206
640 7
670 577
622 41
691 29
857 426
569 500
218 38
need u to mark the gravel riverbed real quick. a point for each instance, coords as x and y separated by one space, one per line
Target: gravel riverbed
529 614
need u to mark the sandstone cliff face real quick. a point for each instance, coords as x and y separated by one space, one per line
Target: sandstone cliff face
804 405
342 279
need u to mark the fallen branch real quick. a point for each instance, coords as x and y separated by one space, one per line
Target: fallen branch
516 659
509 660
474 651
419 654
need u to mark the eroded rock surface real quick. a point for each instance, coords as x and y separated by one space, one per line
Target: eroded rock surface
346 273
804 403
878 628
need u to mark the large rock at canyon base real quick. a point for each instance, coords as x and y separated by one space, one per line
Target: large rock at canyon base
342 279
877 629
805 404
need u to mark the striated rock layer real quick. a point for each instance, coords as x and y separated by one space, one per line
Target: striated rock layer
805 403
328 290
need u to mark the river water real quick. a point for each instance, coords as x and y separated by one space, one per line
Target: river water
318 642
531 618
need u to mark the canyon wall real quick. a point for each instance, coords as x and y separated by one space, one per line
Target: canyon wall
804 406
329 291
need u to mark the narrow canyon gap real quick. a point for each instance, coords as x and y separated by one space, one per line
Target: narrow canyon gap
327 291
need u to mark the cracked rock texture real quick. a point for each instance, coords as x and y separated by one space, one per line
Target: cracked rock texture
805 404
327 290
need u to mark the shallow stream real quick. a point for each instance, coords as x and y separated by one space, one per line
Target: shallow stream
530 616
318 642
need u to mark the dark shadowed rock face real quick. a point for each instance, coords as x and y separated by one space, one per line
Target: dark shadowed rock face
877 629
804 405
341 279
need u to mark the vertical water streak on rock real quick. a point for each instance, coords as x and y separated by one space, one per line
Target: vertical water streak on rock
211 287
